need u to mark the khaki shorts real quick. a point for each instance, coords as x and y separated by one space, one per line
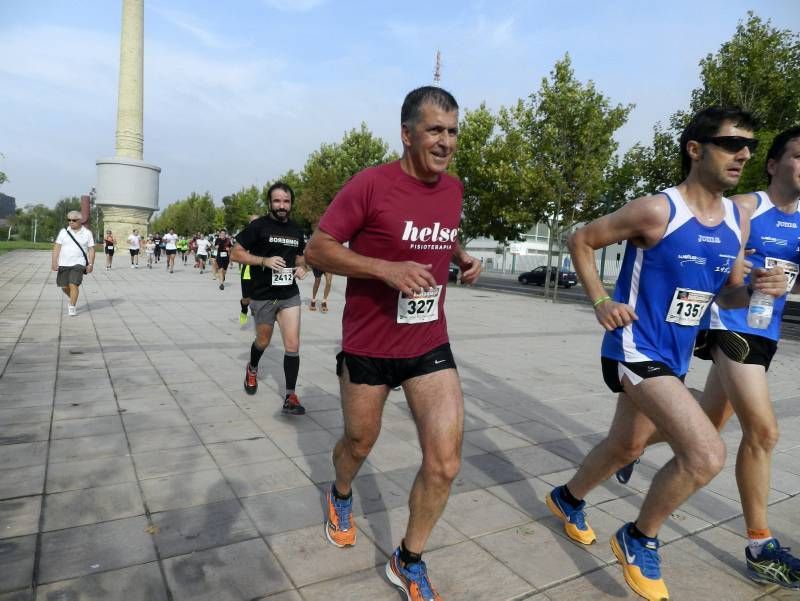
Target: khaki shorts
266 311
70 275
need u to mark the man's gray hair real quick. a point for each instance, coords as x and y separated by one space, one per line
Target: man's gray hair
410 111
74 215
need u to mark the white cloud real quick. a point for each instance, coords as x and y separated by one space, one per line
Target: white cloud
192 25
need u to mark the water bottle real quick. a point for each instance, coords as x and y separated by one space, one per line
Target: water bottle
759 313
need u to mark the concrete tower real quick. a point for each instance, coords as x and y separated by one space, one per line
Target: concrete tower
127 187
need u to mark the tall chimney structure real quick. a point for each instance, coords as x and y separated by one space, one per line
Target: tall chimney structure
127 187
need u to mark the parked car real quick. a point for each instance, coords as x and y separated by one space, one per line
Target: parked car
452 274
566 278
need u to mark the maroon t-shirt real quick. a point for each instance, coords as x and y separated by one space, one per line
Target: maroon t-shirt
387 214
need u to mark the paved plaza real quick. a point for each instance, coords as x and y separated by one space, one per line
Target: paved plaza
133 466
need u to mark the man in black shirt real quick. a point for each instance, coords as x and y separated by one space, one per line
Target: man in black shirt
273 247
223 245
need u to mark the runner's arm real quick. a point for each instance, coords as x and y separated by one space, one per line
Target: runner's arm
243 256
54 257
327 254
469 265
641 221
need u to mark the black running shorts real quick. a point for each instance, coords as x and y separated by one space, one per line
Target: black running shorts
222 263
70 275
134 251
172 251
749 349
393 372
642 369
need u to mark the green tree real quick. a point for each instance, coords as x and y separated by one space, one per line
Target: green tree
238 207
566 132
196 213
295 181
3 176
329 167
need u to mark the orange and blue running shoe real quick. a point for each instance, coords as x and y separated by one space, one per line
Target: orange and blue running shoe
774 565
640 563
574 517
412 579
340 527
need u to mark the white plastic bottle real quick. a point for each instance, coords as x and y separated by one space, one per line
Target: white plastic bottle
759 313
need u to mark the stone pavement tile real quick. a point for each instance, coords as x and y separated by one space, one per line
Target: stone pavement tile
365 585
535 432
92 505
604 526
163 438
286 509
308 556
271 420
21 595
154 464
21 481
478 512
19 433
88 447
23 454
30 400
574 449
329 418
90 426
24 415
141 422
242 452
708 565
237 572
89 473
20 516
392 456
303 443
196 400
185 490
267 476
214 414
526 496
96 547
25 384
679 525
387 528
16 562
228 431
376 492
180 531
136 583
494 439
490 469
87 395
466 571
725 484
711 507
536 461
607 584
136 403
79 409
538 555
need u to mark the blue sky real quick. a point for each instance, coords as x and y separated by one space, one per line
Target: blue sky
238 92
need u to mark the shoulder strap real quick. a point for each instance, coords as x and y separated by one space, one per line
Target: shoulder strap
83 252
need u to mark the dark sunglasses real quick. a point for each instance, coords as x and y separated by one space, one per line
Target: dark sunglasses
732 143
73 219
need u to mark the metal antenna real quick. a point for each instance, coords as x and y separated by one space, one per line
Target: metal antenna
437 72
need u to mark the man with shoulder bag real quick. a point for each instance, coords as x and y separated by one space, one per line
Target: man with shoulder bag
72 257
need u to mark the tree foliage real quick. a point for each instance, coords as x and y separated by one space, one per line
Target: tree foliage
196 213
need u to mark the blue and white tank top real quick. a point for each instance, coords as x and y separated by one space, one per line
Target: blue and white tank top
671 285
775 236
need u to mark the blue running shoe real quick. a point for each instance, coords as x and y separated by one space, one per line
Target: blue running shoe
574 518
774 565
411 579
640 564
624 474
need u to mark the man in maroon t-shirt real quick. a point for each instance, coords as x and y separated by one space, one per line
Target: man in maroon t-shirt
401 221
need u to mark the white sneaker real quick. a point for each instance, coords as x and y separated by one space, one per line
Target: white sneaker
71 310
132 265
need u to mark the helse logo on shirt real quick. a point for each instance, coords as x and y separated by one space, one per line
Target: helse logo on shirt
437 233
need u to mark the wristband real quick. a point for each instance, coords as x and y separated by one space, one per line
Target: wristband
600 301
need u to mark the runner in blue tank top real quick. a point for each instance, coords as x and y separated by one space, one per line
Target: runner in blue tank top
683 245
737 382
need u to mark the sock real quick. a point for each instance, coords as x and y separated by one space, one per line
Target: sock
758 538
339 495
569 497
636 533
291 366
407 556
244 307
255 355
